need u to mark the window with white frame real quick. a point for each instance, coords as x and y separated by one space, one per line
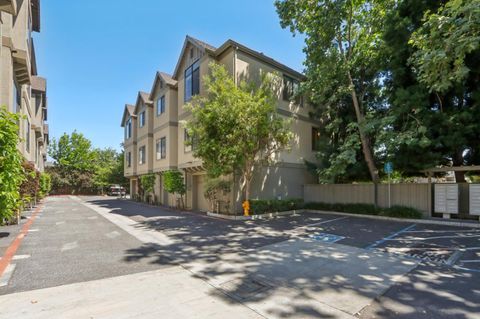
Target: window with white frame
141 155
161 105
141 119
161 147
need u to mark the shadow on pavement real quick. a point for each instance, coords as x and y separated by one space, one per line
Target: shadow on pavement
249 263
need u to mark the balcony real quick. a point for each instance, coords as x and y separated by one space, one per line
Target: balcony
8 6
21 66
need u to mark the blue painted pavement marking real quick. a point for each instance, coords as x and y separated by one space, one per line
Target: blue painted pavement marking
381 241
327 238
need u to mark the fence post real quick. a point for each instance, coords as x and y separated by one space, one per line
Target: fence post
375 194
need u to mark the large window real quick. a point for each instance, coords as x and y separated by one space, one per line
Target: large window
27 135
192 81
161 105
141 155
315 139
161 148
128 129
189 142
290 90
129 159
141 119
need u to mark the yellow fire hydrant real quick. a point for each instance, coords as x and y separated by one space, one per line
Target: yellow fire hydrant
246 208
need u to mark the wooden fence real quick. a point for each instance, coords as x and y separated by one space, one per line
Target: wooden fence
412 195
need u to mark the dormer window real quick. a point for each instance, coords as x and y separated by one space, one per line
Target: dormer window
192 81
161 105
141 119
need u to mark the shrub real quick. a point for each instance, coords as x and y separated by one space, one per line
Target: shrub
402 212
30 187
367 209
260 206
11 173
45 184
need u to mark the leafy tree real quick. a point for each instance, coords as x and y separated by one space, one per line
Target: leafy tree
79 167
214 190
73 152
342 46
116 175
433 85
147 183
174 184
406 135
444 42
236 126
11 172
107 168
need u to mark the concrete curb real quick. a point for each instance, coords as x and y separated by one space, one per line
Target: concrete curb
300 211
254 217
406 220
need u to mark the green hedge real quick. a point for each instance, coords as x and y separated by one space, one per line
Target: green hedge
368 209
260 206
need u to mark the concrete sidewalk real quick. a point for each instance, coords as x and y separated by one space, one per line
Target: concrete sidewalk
167 293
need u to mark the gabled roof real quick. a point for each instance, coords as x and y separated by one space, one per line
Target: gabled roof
127 112
203 46
259 55
145 97
142 97
166 78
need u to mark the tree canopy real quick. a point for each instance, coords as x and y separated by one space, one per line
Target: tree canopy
409 68
235 127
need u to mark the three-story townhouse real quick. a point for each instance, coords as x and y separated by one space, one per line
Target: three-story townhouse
129 123
21 90
144 111
287 174
165 132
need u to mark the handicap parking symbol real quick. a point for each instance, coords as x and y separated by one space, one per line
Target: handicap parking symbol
326 238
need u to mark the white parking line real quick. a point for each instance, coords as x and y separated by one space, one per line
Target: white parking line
470 261
69 246
444 231
18 257
7 275
428 238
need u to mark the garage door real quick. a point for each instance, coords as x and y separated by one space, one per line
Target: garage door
200 202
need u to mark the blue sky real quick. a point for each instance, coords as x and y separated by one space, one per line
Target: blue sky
97 54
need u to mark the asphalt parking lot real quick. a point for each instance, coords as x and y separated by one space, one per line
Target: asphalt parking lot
70 243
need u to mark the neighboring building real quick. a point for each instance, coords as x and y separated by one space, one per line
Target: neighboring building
21 89
155 138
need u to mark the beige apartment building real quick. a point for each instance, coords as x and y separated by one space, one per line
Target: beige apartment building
22 91
155 137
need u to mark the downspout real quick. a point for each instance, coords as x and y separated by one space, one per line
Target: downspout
235 48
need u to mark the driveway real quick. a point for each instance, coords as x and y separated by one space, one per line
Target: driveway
303 266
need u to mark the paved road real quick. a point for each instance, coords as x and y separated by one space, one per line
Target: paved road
252 261
70 243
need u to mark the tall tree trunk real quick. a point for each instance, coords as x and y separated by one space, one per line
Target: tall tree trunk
366 144
458 161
